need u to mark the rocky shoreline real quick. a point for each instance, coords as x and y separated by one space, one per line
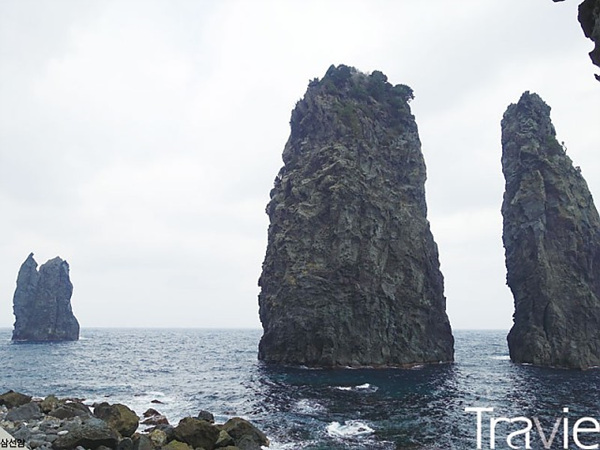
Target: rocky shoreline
64 424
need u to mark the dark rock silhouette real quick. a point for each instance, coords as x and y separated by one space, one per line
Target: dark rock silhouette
552 244
351 274
589 18
42 303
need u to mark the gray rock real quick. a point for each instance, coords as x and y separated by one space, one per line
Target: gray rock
206 415
151 412
28 411
143 442
197 433
51 437
551 238
36 443
42 303
224 439
23 432
169 430
153 417
351 274
245 435
158 437
91 434
119 417
50 403
12 399
70 410
177 445
125 444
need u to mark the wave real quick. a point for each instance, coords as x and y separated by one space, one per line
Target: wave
306 406
366 387
349 429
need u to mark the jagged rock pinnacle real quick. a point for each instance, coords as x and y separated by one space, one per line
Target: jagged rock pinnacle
552 244
42 303
351 274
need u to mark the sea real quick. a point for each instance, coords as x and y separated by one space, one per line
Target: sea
482 400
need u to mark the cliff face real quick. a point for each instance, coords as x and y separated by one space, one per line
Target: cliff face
552 244
42 303
351 274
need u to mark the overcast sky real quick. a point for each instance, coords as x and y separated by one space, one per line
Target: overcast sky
139 140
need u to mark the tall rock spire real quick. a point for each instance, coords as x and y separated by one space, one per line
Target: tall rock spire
42 303
552 244
351 274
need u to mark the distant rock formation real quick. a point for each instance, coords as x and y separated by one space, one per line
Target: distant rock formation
552 244
42 303
589 18
351 274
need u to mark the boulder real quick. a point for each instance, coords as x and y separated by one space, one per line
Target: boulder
351 275
28 411
158 437
49 403
177 445
156 420
125 444
42 303
119 417
151 412
12 399
70 410
206 415
551 235
197 433
142 442
90 434
245 435
224 439
153 417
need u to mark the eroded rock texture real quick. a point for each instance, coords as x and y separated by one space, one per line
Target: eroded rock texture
42 303
552 244
351 274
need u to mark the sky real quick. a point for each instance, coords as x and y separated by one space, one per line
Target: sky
139 140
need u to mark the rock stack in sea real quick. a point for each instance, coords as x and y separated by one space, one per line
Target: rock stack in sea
65 424
42 303
351 274
552 244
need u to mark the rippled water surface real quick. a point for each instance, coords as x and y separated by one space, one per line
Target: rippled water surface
217 370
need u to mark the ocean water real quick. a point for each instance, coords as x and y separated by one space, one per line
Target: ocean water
217 370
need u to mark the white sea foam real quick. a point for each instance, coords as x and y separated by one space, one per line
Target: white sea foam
501 357
275 445
306 406
349 429
366 387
